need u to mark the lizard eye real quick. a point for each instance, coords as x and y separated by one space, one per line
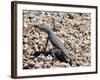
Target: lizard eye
36 26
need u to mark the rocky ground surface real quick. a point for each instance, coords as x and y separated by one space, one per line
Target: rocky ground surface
71 28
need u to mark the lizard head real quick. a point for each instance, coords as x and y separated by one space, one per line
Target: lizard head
44 27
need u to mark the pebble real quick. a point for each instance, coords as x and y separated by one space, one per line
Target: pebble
31 63
61 64
49 57
47 66
38 65
25 66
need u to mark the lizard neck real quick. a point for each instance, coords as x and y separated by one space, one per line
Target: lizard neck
49 32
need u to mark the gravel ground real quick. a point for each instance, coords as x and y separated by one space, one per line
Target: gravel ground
71 28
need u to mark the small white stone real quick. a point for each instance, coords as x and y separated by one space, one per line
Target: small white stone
25 40
49 57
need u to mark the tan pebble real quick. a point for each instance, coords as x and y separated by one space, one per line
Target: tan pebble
36 48
47 65
61 64
35 59
30 63
86 41
24 58
39 64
